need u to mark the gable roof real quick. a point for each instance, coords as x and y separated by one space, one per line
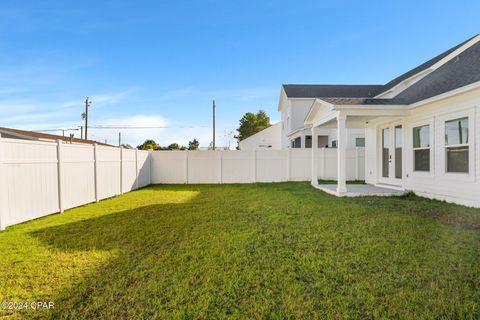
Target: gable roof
422 67
46 136
331 90
459 71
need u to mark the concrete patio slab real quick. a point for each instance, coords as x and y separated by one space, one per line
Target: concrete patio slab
360 190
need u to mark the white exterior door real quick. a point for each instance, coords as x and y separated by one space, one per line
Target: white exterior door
391 154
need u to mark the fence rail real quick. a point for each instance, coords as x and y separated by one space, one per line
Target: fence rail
41 178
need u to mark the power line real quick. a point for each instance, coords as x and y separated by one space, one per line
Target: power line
141 127
51 130
120 127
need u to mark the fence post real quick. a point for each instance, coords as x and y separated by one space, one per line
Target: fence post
357 164
121 170
254 166
289 164
3 188
95 166
220 166
59 175
186 166
324 163
150 169
136 169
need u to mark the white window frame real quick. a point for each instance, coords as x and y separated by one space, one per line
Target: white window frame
429 148
408 143
460 176
360 137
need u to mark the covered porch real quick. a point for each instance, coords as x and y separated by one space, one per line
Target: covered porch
342 114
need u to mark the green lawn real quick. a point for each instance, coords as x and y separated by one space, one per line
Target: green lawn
272 251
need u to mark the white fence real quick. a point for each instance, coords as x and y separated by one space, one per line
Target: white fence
252 166
40 178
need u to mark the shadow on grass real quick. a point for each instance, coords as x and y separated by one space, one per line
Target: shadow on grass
146 242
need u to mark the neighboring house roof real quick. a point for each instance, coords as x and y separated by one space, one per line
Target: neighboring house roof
331 90
30 135
438 77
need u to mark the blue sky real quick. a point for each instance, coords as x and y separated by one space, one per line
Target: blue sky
160 63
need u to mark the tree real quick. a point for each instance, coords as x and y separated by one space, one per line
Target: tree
252 123
174 146
193 145
148 145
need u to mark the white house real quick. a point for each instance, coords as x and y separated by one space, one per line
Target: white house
294 104
422 129
269 138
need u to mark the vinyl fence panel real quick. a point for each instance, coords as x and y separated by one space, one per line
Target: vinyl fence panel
108 172
204 167
169 167
238 167
30 180
77 175
300 164
143 167
271 165
129 170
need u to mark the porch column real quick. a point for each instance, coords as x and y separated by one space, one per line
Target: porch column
314 179
341 153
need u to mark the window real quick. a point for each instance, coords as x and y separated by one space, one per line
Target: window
308 141
297 142
421 148
359 142
456 145
334 143
398 152
385 152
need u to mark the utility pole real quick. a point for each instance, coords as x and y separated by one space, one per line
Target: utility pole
85 116
81 132
119 138
213 124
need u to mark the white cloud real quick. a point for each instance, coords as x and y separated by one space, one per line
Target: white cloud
168 133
